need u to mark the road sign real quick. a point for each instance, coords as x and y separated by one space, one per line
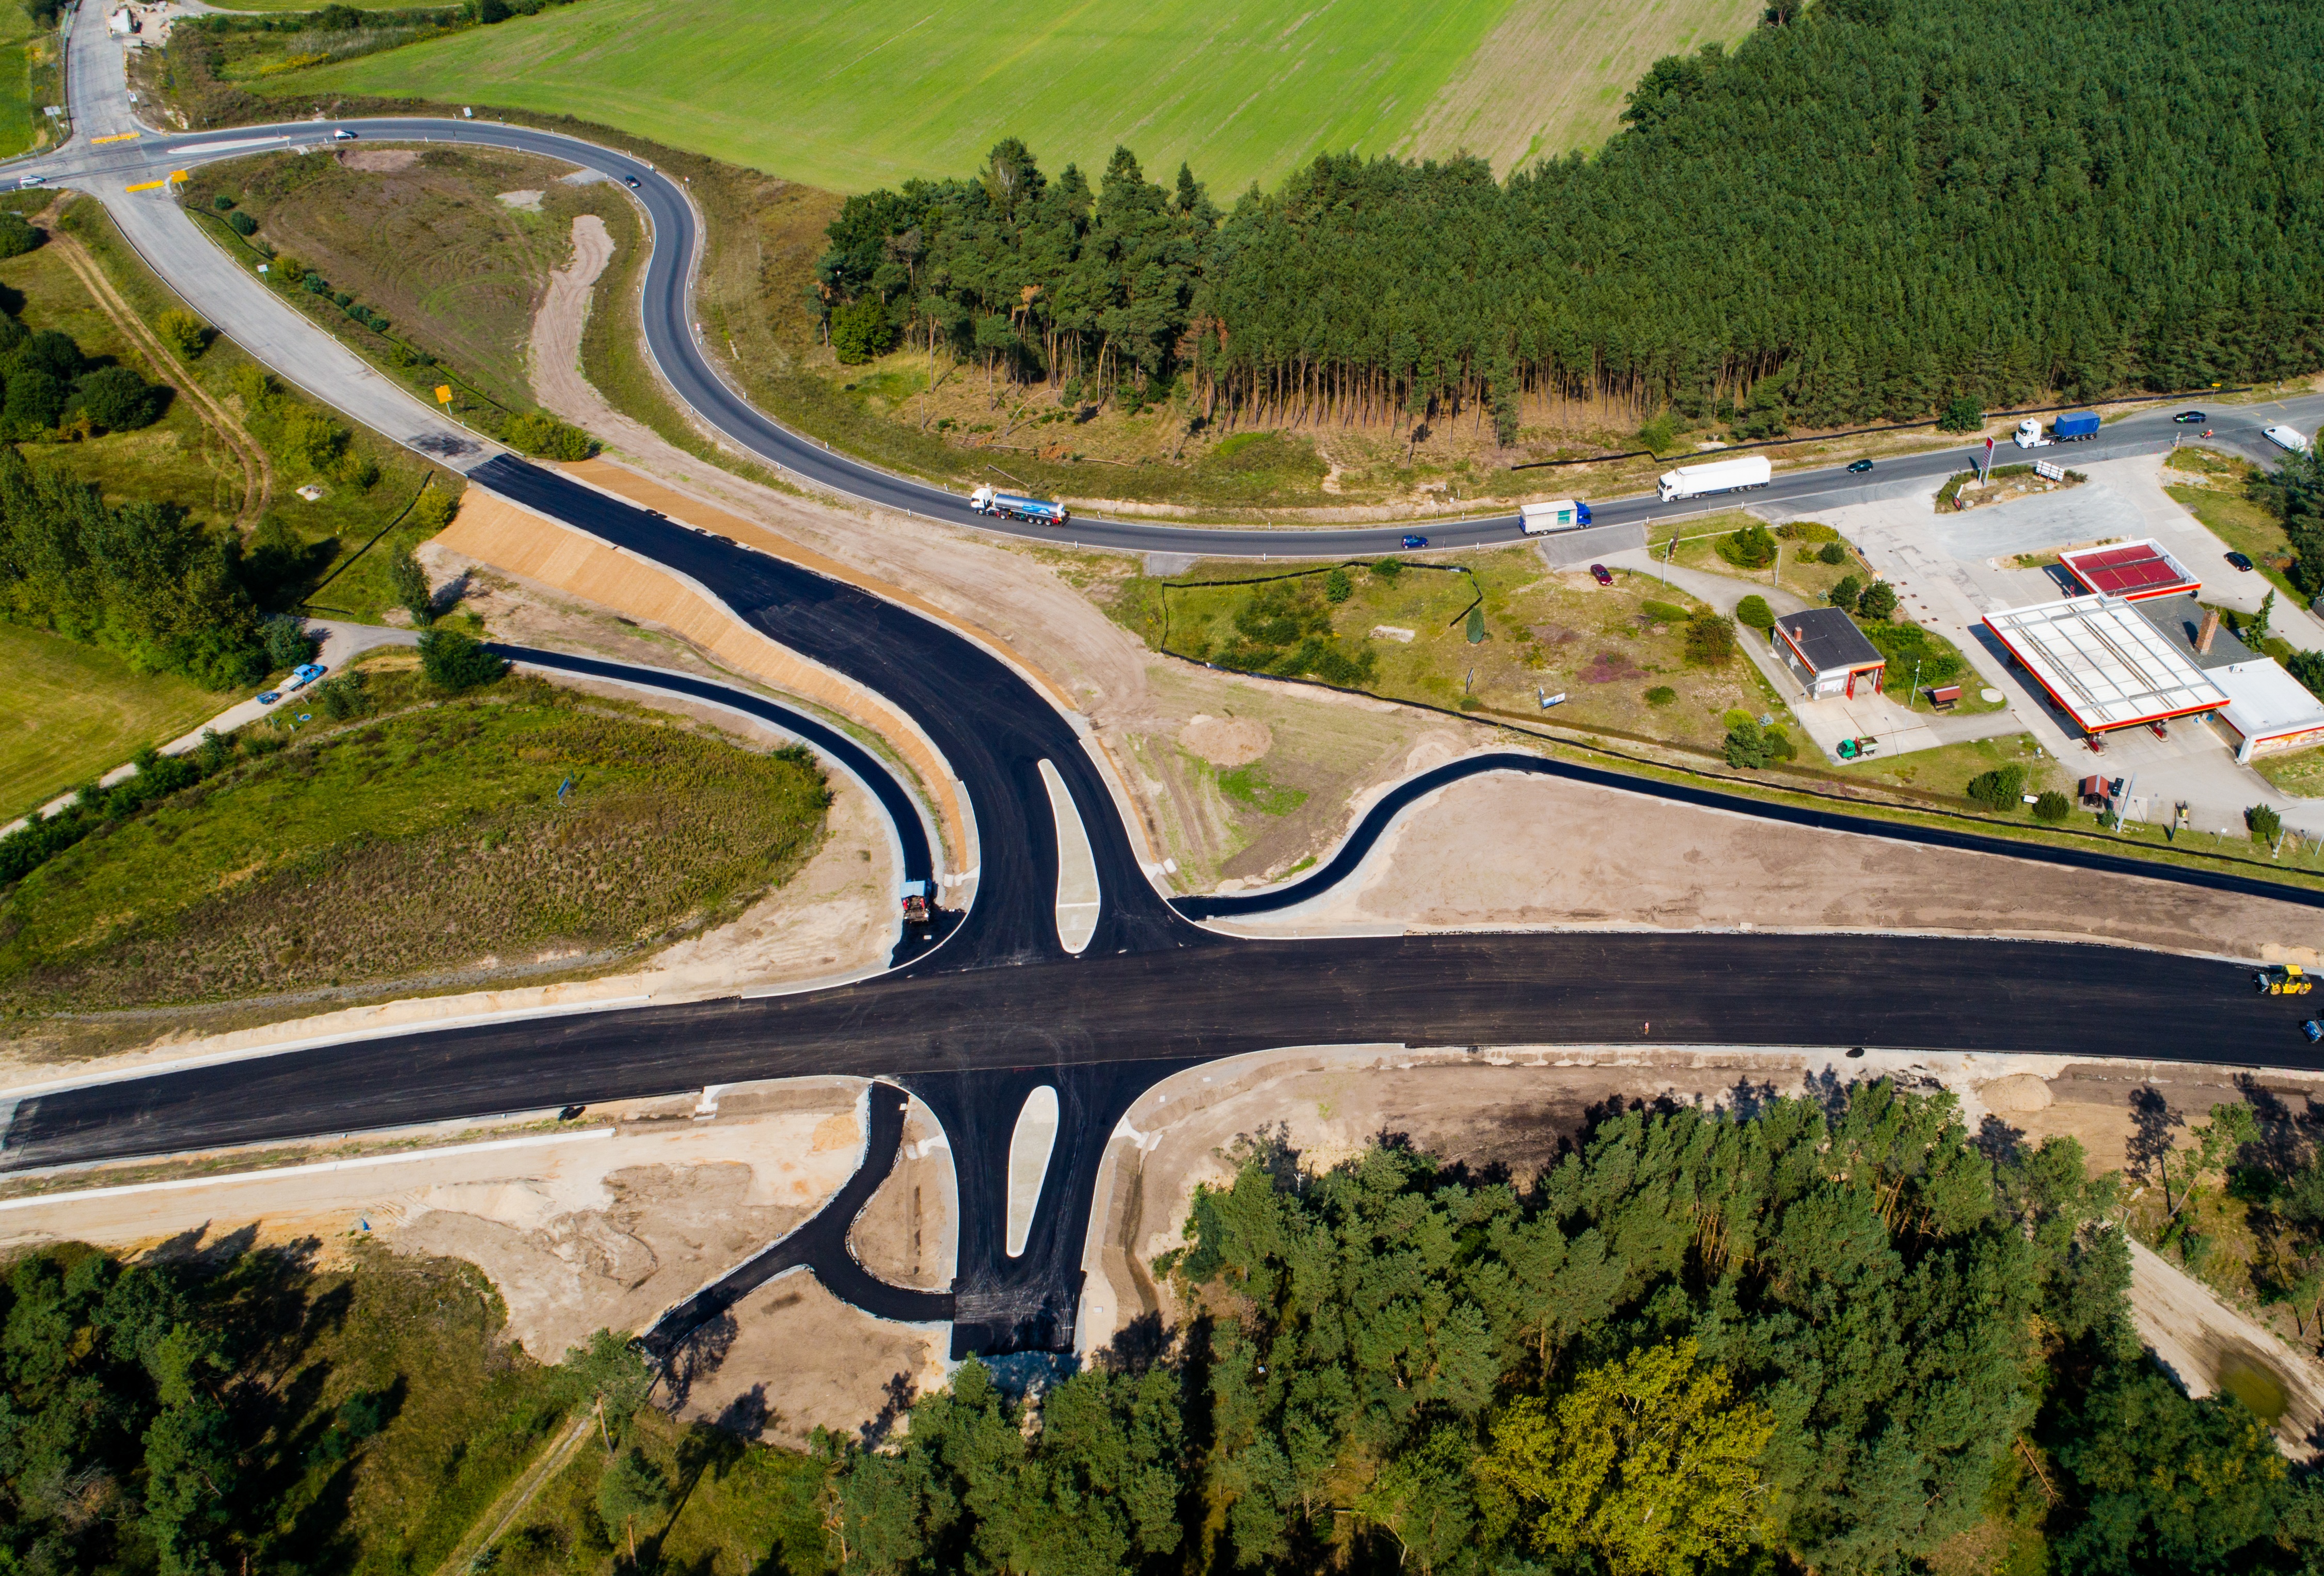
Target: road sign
2050 473
443 393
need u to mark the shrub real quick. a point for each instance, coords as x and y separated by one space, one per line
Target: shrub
1388 568
183 332
1807 530
35 400
1909 647
311 439
2053 807
344 696
1754 612
1747 746
2263 822
222 203
1779 745
433 510
1751 548
117 400
410 584
491 11
1660 695
1878 602
358 471
18 236
287 645
862 331
242 224
1962 415
549 438
1846 592
2001 789
1833 553
1665 612
1337 586
453 661
1710 638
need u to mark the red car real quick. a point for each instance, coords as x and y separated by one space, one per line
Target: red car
1601 573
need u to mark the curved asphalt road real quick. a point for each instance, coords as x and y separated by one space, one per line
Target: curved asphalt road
1360 839
667 310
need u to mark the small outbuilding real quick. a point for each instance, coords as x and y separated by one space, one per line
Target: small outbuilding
2268 711
1826 653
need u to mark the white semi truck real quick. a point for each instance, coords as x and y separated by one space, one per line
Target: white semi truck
1719 476
1559 514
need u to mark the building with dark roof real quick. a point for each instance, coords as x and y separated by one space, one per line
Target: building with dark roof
1824 650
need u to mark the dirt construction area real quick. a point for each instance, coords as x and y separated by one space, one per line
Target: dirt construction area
606 1227
1506 850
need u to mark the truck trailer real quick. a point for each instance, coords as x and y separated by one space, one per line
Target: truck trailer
1719 476
1560 514
1017 506
2073 426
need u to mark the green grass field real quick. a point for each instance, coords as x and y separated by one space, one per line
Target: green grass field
69 713
16 113
850 97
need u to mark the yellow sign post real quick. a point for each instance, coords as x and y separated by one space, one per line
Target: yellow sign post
443 393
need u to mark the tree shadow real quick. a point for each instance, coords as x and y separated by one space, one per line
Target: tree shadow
1271 1150
2284 1141
699 1356
900 1392
2151 1120
748 1413
1137 1346
1997 1141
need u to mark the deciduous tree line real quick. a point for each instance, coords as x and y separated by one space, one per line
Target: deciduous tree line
1830 1335
1868 211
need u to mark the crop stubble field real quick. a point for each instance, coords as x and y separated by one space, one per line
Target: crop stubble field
862 95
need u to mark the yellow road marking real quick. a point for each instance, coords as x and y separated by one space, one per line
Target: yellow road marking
146 185
116 137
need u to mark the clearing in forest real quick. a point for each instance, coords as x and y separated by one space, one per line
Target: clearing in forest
852 98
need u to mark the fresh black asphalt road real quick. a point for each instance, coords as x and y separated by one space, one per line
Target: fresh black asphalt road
1351 853
1000 1009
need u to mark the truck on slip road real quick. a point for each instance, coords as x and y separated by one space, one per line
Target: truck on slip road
1017 506
2073 426
1559 514
1719 476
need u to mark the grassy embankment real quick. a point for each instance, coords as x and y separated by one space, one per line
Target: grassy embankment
187 460
522 832
455 271
69 713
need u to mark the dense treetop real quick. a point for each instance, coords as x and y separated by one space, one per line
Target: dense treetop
1866 211
1828 1336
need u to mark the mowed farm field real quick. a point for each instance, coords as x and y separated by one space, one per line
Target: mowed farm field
853 96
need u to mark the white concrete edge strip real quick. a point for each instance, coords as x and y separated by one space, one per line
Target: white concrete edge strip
1079 898
316 1042
313 1168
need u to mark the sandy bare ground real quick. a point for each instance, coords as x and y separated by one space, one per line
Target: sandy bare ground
606 1227
1505 850
2209 1345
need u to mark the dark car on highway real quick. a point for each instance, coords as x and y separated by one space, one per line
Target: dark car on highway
629 180
2187 417
1599 573
1415 541
2240 562
1859 467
